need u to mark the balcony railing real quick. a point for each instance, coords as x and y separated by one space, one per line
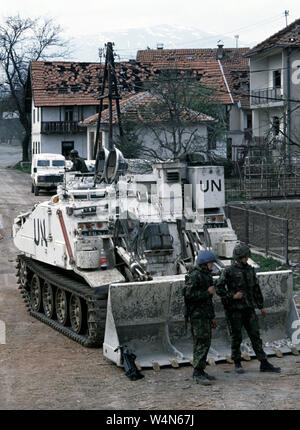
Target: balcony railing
266 96
61 127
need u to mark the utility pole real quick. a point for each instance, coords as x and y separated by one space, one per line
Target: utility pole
286 13
110 80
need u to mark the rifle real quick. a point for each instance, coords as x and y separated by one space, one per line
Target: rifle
128 360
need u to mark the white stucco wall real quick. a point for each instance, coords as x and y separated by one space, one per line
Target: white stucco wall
262 114
149 140
52 143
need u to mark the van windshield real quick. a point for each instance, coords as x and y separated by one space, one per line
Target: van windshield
58 163
43 163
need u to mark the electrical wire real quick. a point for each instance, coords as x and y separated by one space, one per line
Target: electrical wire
257 24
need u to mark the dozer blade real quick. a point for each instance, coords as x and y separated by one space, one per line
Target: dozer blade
282 318
148 318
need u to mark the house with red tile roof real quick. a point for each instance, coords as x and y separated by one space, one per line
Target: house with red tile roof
275 89
155 132
226 70
60 95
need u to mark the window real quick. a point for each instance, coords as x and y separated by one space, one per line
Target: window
69 113
277 79
229 148
43 163
58 163
276 125
249 120
38 114
211 138
33 116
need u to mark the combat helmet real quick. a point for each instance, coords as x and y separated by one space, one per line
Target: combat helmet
205 257
240 251
74 153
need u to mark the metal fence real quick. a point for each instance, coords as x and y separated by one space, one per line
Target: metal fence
267 233
234 189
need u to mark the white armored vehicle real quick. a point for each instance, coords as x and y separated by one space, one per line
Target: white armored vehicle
105 258
47 171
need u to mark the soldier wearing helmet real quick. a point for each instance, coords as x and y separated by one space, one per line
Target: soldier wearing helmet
78 163
240 293
198 293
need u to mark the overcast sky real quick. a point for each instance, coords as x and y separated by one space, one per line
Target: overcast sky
254 20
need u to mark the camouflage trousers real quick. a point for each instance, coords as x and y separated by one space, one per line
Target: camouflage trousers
201 332
246 318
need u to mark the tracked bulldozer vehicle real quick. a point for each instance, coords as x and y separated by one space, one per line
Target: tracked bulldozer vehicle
103 261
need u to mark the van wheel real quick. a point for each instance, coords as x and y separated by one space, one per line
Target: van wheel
32 188
36 190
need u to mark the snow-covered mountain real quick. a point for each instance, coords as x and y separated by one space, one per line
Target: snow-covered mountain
127 42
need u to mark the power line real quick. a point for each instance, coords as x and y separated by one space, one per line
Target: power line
270 20
257 24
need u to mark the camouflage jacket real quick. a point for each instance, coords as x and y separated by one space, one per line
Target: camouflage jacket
79 166
198 300
239 277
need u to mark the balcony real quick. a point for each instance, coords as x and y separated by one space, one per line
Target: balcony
61 127
266 96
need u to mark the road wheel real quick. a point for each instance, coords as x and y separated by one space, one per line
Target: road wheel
61 306
23 274
36 293
36 190
48 300
77 314
32 188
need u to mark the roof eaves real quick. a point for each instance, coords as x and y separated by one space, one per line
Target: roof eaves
269 48
277 35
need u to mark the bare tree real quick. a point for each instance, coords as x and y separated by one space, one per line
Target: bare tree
23 40
170 112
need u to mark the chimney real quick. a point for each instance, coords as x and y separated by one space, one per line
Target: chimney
220 50
236 41
160 46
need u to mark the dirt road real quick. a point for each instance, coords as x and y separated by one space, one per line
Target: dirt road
41 369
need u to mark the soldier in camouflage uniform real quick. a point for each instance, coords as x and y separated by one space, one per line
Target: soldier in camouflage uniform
240 298
78 163
198 294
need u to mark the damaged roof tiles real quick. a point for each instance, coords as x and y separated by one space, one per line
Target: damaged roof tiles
232 63
74 83
65 83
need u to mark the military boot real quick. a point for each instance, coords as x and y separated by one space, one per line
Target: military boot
238 367
200 378
265 366
209 377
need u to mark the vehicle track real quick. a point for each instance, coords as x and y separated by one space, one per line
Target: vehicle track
94 299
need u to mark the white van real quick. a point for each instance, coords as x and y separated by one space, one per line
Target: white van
47 171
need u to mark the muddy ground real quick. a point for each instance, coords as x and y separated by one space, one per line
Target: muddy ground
41 369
